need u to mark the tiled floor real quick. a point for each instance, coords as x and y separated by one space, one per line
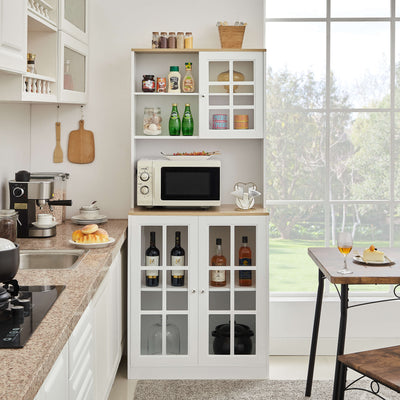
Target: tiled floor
281 367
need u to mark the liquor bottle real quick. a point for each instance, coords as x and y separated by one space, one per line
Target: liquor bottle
152 260
174 121
187 122
218 277
177 260
245 278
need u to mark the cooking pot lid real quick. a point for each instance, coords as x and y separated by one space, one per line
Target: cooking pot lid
225 330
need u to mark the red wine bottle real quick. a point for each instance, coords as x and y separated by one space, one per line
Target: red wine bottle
152 260
177 261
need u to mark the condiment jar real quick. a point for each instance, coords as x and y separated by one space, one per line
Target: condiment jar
152 121
180 40
8 224
174 80
172 40
31 63
154 40
148 83
163 40
188 40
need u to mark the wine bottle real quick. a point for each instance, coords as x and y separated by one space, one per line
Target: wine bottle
218 277
152 260
245 278
177 260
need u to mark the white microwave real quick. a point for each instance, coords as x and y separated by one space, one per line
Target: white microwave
180 183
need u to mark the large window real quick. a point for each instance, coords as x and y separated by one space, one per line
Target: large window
333 118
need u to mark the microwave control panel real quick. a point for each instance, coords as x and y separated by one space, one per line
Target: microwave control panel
144 183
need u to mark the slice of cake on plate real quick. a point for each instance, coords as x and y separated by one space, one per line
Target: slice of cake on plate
373 255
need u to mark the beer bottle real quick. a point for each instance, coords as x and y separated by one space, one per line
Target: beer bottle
187 122
174 122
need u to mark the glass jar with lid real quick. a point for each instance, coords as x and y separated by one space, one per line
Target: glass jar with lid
152 121
8 224
163 40
172 342
188 40
180 40
172 40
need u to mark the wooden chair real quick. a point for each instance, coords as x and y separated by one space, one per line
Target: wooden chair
380 365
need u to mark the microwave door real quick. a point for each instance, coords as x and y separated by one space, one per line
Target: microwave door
189 184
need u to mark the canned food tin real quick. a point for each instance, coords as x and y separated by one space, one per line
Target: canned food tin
220 121
161 85
241 121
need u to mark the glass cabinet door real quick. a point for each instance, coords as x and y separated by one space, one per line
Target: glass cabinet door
233 290
73 18
72 69
167 275
231 94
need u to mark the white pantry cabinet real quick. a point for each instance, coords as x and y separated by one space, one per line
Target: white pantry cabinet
73 17
13 36
171 329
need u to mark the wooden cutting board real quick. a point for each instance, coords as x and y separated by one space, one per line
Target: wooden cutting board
81 145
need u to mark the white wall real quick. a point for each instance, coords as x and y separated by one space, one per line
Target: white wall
113 30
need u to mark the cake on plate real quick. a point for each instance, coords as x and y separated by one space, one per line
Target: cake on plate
373 255
90 234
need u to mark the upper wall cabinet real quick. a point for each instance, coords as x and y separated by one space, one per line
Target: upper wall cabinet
13 35
73 18
54 32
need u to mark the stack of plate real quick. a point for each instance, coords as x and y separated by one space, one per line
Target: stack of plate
81 220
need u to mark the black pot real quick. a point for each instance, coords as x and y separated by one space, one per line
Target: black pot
243 342
9 263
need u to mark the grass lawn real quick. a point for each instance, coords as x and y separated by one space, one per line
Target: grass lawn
292 270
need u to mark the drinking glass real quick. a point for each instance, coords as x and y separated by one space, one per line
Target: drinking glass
345 244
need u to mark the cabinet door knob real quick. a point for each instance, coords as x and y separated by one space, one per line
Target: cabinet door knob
202 291
193 290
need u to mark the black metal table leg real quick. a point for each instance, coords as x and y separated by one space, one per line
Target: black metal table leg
314 340
340 371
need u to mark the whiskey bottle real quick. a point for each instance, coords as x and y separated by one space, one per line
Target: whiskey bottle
177 260
245 278
152 260
218 277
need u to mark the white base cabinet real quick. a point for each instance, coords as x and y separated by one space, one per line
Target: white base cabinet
86 368
173 331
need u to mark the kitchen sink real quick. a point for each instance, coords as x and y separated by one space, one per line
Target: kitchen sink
49 259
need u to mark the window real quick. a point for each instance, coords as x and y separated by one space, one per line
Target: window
333 119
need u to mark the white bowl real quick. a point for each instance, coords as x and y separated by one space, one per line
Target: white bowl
6 244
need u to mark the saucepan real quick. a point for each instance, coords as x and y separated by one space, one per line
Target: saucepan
9 259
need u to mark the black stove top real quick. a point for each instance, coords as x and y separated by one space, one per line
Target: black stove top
24 312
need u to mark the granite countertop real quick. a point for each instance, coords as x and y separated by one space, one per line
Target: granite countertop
24 370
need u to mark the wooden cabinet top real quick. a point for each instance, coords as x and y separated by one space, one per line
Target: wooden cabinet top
224 210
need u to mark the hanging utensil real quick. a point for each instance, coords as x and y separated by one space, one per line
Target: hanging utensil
81 145
58 153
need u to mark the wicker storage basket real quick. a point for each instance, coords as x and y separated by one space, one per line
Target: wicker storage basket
231 37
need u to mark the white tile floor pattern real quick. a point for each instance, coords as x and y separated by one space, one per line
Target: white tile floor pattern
281 368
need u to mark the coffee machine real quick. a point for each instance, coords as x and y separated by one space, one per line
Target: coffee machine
26 195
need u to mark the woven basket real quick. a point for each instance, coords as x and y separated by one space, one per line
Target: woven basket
231 37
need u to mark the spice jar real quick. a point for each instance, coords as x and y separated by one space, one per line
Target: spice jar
8 224
31 63
172 40
154 40
163 40
188 40
148 83
180 40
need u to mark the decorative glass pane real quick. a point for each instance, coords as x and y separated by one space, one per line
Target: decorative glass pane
74 70
75 13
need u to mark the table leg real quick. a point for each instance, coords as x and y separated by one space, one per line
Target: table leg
340 371
314 340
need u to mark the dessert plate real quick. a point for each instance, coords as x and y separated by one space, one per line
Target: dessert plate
360 260
92 245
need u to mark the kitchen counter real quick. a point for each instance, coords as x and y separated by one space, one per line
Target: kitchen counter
24 370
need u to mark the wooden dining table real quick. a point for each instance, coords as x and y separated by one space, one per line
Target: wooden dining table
329 261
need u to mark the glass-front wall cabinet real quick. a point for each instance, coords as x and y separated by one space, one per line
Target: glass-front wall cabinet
74 18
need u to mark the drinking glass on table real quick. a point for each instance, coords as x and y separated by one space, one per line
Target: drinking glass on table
345 244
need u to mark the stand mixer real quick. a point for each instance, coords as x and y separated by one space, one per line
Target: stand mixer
25 195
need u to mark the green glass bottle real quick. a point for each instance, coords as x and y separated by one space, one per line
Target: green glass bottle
187 122
174 121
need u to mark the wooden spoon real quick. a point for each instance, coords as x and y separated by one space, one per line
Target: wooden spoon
58 154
